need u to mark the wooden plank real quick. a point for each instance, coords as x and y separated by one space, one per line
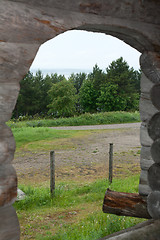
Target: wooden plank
125 204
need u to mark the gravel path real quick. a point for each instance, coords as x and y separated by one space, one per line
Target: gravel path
106 126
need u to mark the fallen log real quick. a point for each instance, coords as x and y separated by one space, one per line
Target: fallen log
125 204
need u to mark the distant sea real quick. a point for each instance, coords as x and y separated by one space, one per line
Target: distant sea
66 72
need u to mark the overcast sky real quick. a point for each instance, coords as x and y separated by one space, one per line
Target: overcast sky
82 50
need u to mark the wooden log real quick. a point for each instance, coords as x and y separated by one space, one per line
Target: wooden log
145 158
9 225
148 230
155 151
144 137
7 144
153 204
146 164
154 177
154 126
8 185
144 190
147 109
125 204
155 95
144 177
146 84
150 65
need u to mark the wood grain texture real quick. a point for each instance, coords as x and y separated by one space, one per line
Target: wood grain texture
148 230
155 95
155 151
145 84
7 144
8 185
146 107
9 225
144 190
153 204
125 204
145 139
154 177
154 126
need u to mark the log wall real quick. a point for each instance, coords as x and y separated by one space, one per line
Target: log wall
25 25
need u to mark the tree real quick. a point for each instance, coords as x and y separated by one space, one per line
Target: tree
63 99
77 80
88 96
127 81
109 99
90 89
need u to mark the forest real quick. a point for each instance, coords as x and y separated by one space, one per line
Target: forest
115 89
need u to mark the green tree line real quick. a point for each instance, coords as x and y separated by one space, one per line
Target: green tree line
116 89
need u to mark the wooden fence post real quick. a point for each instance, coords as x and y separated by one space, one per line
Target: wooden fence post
52 173
110 162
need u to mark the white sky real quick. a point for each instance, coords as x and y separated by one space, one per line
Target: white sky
82 50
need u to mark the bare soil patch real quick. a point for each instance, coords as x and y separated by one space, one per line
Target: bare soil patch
87 161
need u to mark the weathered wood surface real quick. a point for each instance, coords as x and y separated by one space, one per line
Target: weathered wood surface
8 97
154 126
146 107
154 177
145 139
144 177
155 151
7 144
9 226
144 190
145 158
145 163
8 185
125 204
145 84
155 95
153 204
150 65
148 230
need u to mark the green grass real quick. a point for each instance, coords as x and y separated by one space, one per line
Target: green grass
29 135
84 119
74 213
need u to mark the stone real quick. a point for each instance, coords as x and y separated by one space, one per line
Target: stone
20 195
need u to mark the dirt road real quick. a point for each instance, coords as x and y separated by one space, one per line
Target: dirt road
87 160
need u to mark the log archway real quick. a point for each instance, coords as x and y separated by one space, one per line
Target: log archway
25 25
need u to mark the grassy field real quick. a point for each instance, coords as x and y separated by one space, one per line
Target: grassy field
75 212
84 119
